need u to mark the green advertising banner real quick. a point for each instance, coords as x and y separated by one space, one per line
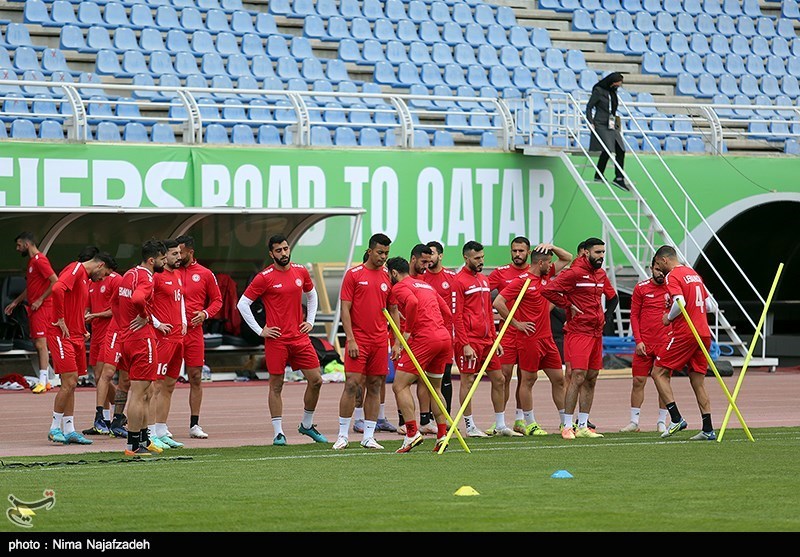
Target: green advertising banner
412 196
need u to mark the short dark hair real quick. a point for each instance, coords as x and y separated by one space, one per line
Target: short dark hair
186 240
365 256
26 237
152 248
275 239
398 264
106 258
666 251
379 238
582 245
472 245
653 261
541 255
589 243
88 253
521 240
420 249
434 244
169 243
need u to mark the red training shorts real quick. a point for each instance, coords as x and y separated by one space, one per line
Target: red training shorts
373 359
585 351
194 347
643 365
140 358
509 343
540 353
298 353
170 358
68 354
431 355
38 321
681 351
482 350
97 341
111 353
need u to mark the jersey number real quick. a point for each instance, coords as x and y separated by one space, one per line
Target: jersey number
700 300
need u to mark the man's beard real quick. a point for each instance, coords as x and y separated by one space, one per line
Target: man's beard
283 261
596 263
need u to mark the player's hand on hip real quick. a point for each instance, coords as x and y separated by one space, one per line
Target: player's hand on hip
469 353
397 350
305 327
198 318
138 322
665 320
165 328
575 310
641 349
63 326
527 327
271 332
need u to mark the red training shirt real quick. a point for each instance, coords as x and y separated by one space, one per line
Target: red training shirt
282 295
649 302
70 296
167 306
368 291
684 281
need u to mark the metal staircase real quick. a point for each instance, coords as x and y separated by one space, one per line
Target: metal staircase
630 225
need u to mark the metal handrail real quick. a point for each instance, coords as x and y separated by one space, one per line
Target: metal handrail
407 115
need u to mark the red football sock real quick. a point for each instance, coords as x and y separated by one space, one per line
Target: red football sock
411 428
441 430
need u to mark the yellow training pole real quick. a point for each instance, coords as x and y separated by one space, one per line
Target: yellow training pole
422 374
714 369
750 350
478 377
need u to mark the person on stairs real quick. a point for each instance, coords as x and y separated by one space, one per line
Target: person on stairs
601 112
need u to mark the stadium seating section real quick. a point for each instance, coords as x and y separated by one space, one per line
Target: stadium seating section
725 52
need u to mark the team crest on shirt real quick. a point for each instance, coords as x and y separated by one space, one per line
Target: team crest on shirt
384 287
30 269
445 284
196 277
102 288
298 282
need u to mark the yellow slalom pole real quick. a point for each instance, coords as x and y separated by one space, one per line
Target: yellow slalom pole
750 350
422 374
482 371
714 369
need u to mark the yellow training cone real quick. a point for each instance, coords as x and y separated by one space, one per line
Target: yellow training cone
466 490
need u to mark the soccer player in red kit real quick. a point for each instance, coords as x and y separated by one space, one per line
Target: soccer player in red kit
428 331
39 281
169 319
475 331
499 278
580 291
364 295
536 349
110 358
98 317
66 339
684 285
139 353
280 287
443 281
648 303
203 300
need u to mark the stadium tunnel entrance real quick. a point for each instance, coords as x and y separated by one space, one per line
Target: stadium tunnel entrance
758 237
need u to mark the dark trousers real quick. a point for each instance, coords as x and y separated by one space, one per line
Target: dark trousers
619 154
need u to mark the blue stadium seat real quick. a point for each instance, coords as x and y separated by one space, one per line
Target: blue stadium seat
712 7
790 86
699 44
728 85
369 137
734 65
396 52
509 57
545 79
344 136
50 129
706 86
371 51
162 133
587 79
476 76
617 42
686 85
22 129
748 84
499 77
487 56
673 65
216 133
714 64
651 63
496 35
277 46
242 134
726 26
442 138
107 131
672 143
554 59
34 75
226 44
135 132
268 134
720 45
